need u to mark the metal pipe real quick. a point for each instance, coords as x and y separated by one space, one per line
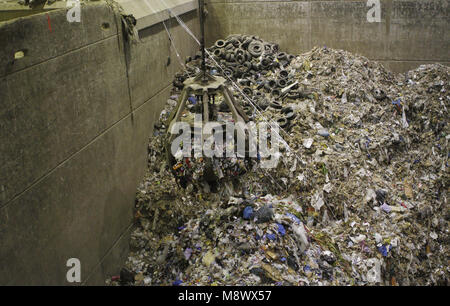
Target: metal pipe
201 7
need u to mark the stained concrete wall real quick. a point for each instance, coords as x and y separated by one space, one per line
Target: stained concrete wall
75 117
411 32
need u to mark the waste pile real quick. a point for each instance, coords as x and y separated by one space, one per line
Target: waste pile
359 196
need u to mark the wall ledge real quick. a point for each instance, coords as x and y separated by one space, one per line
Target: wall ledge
149 12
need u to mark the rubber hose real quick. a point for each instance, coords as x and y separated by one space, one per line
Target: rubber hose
248 91
218 52
248 65
281 83
240 58
276 105
283 74
276 92
290 116
282 56
220 43
286 110
283 122
255 48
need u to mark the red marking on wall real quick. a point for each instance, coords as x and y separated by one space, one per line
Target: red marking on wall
49 23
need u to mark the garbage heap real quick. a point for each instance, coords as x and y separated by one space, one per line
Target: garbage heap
359 196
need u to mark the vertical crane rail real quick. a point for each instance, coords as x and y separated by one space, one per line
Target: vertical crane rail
201 8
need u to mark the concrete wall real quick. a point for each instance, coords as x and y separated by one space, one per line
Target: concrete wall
75 117
411 32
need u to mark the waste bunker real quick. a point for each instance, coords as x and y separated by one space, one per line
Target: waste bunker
186 142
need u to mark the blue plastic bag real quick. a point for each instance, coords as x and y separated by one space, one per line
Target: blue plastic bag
248 213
